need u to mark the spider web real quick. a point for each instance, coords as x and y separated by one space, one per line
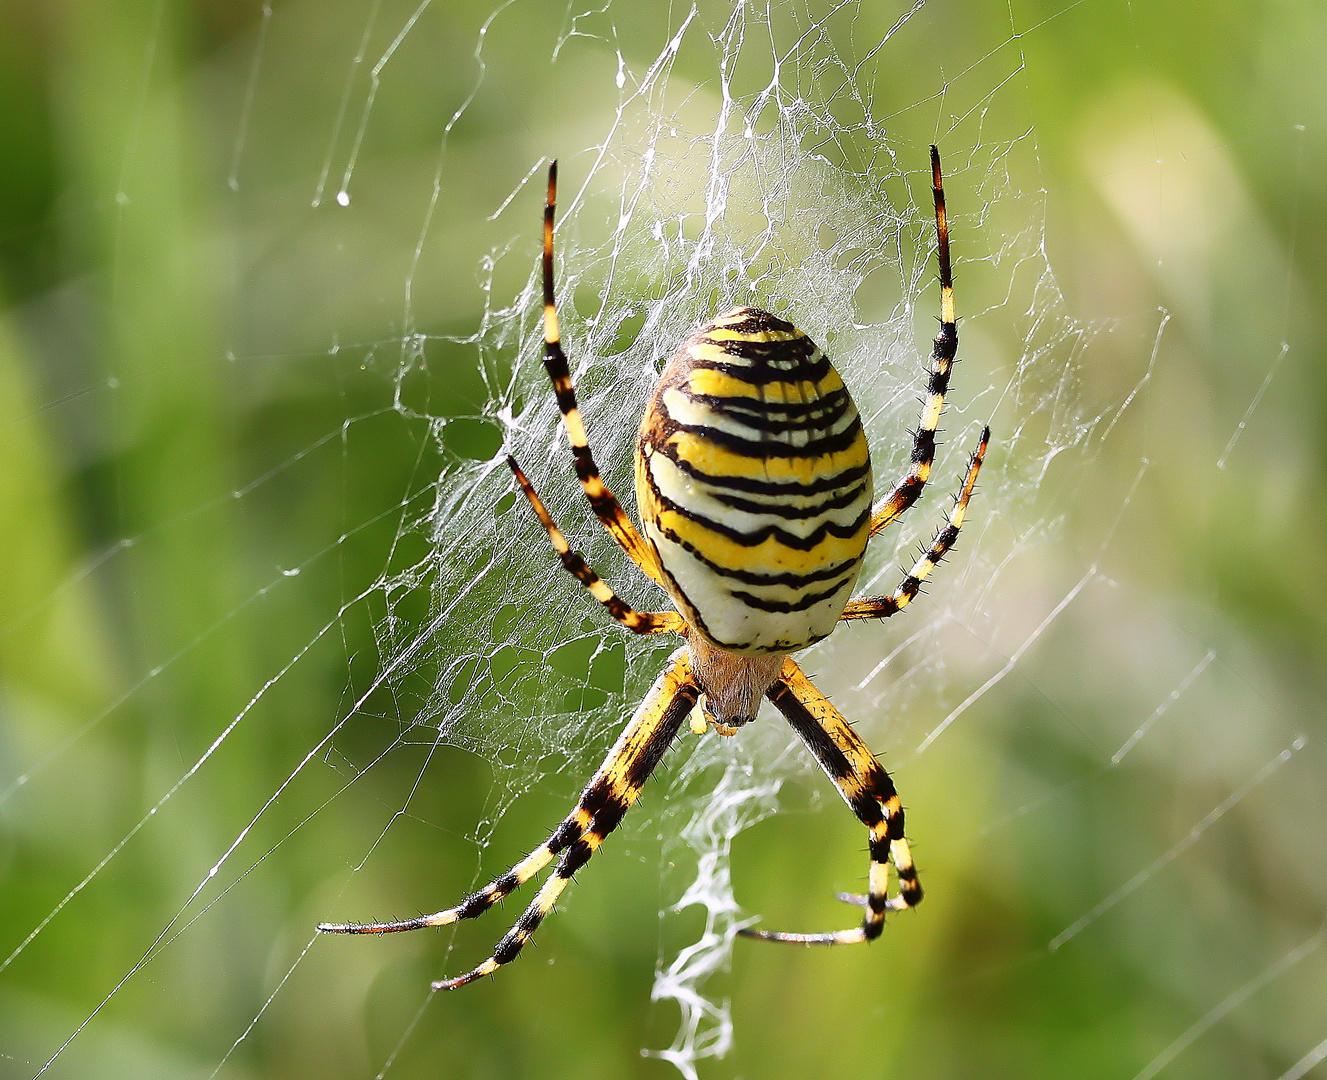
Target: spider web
711 155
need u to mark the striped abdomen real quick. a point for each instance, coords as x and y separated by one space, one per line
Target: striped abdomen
754 484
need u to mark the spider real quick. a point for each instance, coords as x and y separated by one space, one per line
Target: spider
753 483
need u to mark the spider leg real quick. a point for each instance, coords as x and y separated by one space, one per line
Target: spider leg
614 782
602 501
867 788
909 489
606 799
572 828
881 607
663 622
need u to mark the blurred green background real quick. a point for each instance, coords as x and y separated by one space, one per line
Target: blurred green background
212 459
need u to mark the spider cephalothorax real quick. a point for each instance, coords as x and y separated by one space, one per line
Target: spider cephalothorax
753 482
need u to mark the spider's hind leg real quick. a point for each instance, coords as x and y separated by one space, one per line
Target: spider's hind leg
602 501
943 352
867 788
881 607
657 622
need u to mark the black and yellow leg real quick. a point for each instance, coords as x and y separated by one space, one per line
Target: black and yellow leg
609 795
881 607
867 789
474 905
907 491
602 501
662 622
643 740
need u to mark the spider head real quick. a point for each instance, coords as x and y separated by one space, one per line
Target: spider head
733 684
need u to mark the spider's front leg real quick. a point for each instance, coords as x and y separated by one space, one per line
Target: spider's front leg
609 795
866 787
611 792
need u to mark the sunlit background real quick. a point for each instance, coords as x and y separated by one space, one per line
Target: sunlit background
258 270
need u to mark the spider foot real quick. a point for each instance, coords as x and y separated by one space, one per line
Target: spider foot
894 903
838 937
488 967
440 918
866 932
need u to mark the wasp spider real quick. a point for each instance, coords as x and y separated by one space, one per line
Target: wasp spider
753 483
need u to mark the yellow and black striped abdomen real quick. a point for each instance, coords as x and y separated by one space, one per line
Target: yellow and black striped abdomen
754 484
